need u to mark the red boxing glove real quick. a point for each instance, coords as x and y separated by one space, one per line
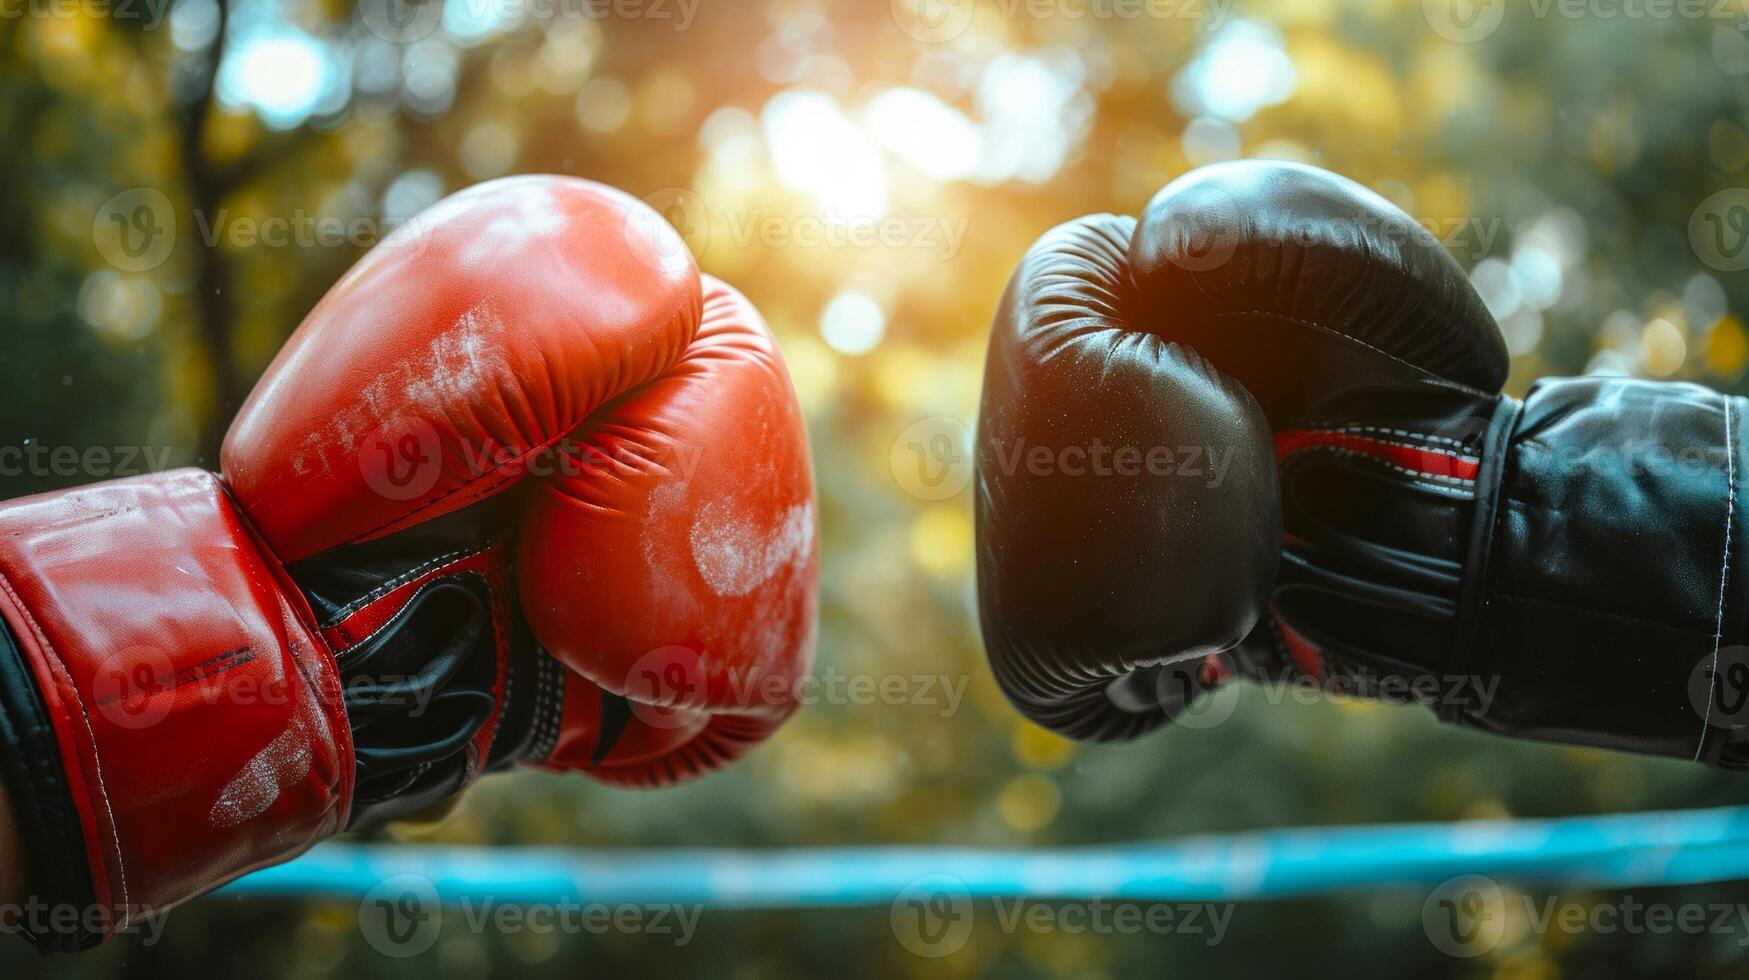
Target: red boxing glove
552 337
530 385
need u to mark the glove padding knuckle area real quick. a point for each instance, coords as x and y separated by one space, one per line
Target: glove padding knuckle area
693 592
636 745
466 343
1127 507
1268 267
553 337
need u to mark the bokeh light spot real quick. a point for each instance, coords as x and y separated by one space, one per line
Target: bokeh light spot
853 323
1243 69
1029 802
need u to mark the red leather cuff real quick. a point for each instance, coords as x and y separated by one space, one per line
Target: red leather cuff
197 711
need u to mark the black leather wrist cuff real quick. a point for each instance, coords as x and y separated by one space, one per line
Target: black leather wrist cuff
1494 453
1611 569
42 804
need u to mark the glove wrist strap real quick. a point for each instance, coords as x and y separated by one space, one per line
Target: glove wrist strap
443 679
1484 518
1615 601
194 714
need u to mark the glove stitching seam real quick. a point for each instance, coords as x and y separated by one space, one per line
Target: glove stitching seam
1724 576
400 615
547 719
411 575
64 678
1457 487
1433 376
555 681
1465 453
504 650
40 764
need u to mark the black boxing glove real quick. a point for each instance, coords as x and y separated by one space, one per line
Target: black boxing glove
1083 602
1565 568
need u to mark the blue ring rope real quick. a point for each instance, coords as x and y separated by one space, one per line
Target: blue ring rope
1650 848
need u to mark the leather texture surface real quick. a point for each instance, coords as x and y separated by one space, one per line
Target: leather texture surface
1614 576
673 561
1111 539
197 713
551 340
490 326
1563 569
522 424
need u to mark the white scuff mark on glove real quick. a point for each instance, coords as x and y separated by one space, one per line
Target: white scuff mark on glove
735 555
669 581
454 370
770 636
285 761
